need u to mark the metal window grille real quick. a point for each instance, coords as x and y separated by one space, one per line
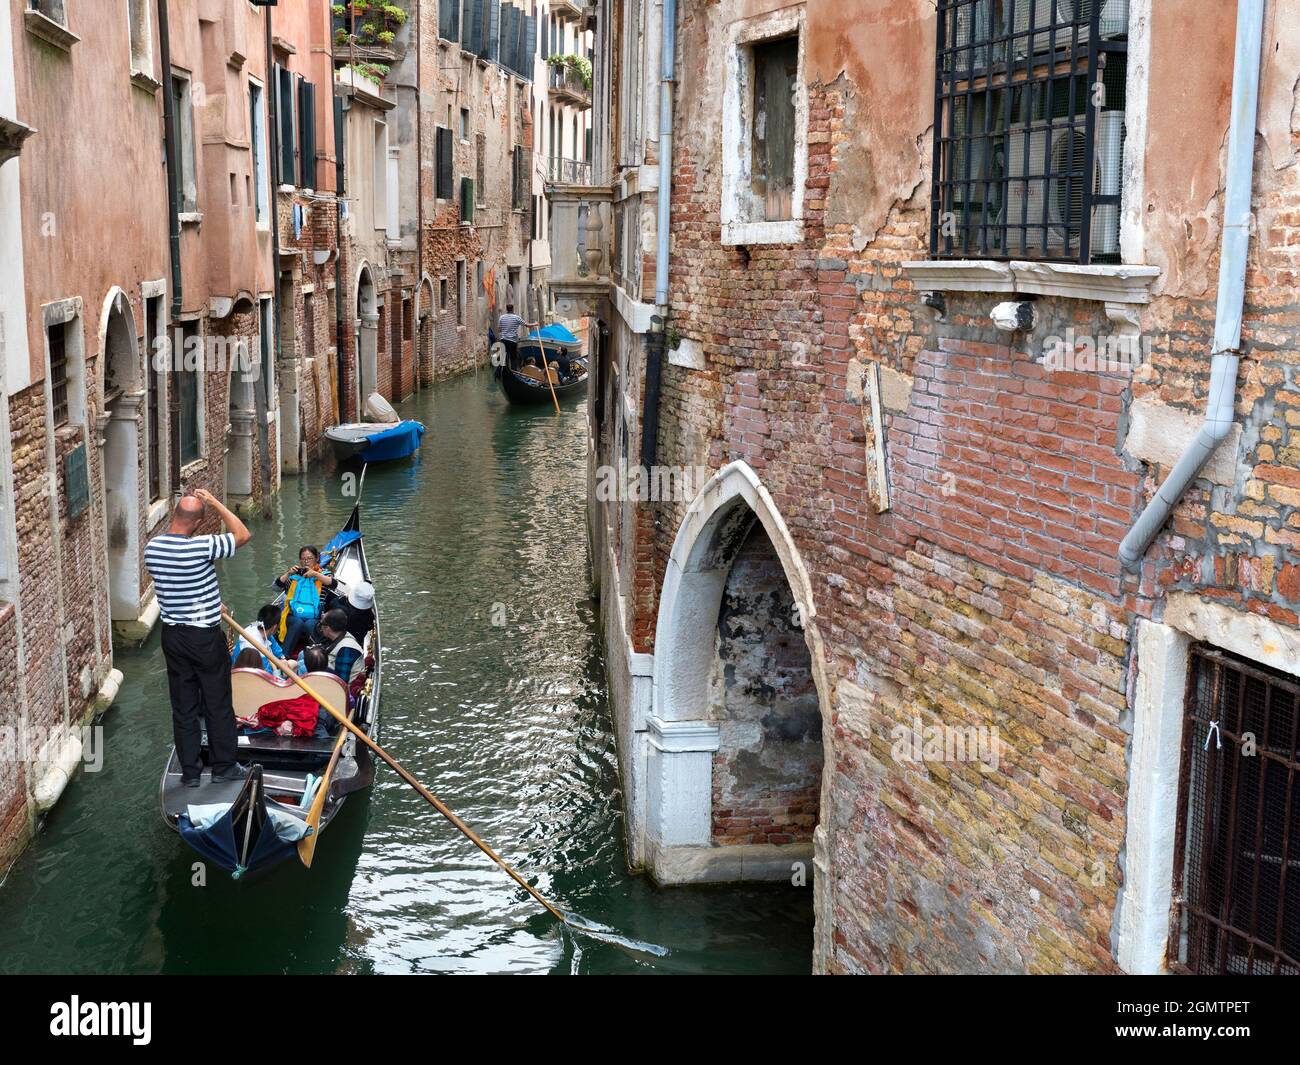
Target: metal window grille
59 372
1237 880
1029 129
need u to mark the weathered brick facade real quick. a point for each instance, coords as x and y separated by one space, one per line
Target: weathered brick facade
988 598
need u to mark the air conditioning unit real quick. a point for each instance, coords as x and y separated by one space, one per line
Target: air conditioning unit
974 22
1036 195
1113 23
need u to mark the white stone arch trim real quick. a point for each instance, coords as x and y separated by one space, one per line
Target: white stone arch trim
686 604
111 303
426 281
364 273
680 737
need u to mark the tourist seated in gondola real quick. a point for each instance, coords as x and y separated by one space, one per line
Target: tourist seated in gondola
345 657
264 629
304 586
248 658
357 601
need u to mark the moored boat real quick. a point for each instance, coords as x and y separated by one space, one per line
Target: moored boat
383 436
261 821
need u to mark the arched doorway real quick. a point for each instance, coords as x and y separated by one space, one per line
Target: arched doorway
367 333
424 333
123 400
734 781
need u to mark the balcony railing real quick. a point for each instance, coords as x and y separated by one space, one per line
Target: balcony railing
569 8
580 220
568 171
567 84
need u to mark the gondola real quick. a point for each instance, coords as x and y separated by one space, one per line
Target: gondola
256 823
527 385
374 441
383 437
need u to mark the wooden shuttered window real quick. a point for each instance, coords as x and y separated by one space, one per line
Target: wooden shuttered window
306 134
443 150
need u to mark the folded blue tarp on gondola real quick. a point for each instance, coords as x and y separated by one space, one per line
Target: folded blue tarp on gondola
396 443
210 830
555 332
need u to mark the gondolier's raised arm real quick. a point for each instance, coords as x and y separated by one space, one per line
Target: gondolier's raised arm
235 527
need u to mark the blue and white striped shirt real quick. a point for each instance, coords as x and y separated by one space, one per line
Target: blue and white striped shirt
184 578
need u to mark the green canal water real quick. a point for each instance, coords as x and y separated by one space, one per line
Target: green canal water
508 724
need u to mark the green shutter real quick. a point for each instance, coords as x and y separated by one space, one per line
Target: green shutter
467 199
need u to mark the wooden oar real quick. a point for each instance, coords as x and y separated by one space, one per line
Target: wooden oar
396 767
546 369
307 845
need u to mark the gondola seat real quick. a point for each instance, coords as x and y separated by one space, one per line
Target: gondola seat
534 373
252 689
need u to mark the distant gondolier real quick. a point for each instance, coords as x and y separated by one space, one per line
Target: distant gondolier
509 327
198 662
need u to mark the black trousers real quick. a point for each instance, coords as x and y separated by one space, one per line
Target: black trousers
198 678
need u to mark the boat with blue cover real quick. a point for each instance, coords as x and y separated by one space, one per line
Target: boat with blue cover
256 823
553 346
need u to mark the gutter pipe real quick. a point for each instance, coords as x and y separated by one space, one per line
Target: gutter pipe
1226 354
655 341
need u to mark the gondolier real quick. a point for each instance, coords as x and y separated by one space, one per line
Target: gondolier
198 662
508 328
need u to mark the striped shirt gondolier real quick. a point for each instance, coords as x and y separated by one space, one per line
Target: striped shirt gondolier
184 578
509 326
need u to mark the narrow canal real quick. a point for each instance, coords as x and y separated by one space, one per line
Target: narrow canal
507 723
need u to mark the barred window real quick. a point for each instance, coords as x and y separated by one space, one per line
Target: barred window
58 342
1029 129
1237 878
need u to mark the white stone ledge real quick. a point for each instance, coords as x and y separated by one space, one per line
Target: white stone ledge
1109 284
789 231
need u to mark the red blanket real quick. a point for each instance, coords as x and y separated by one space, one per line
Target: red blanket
301 711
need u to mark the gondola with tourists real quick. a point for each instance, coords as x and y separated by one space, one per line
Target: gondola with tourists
297 783
552 350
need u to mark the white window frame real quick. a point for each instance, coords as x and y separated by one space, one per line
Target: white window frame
1154 794
139 31
740 225
200 387
379 175
187 148
259 148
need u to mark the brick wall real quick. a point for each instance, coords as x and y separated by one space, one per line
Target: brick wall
989 596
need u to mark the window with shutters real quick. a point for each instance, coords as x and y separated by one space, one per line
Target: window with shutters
189 385
444 163
258 147
183 118
154 396
1029 129
480 168
379 165
285 103
765 127
467 199
306 134
449 20
519 184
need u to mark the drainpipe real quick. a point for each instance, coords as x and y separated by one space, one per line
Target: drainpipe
419 199
174 244
654 347
1232 287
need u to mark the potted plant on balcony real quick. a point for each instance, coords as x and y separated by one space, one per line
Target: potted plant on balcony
364 34
576 65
